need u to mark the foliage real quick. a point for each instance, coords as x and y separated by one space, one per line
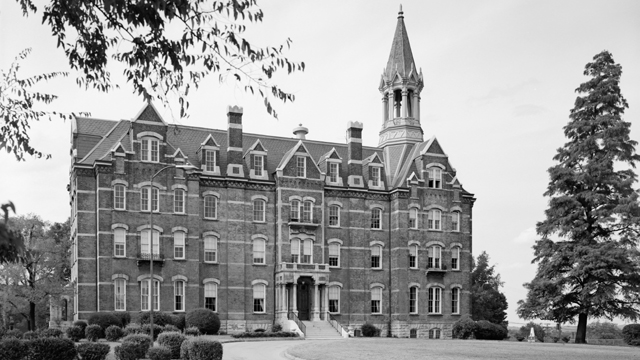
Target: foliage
11 242
12 349
631 334
170 327
603 330
593 269
13 333
93 351
192 331
104 319
51 348
205 320
94 332
81 323
487 302
159 353
464 328
166 46
113 333
74 333
157 329
538 330
141 341
159 318
486 330
276 328
566 338
368 330
125 317
132 328
30 335
52 332
127 351
201 349
172 340
263 334
178 321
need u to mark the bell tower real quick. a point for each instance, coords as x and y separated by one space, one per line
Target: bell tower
400 86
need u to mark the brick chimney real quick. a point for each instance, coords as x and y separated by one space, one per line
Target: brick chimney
234 142
354 143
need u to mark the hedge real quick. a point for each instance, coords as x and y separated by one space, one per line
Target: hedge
13 333
131 329
159 353
631 334
173 341
201 349
159 318
464 328
12 349
157 329
94 332
486 330
113 333
368 330
51 348
192 331
74 333
205 320
52 333
262 334
104 319
93 351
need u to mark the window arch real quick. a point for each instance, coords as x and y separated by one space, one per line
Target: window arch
376 218
435 300
435 333
259 251
376 300
210 206
259 210
413 300
413 218
434 257
149 149
435 219
119 197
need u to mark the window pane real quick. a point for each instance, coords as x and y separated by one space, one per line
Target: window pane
210 296
334 254
258 210
178 245
307 211
119 242
119 197
178 200
258 298
294 213
334 215
209 160
210 207
144 150
154 192
258 251
307 251
333 172
120 294
295 250
154 150
210 249
301 162
144 199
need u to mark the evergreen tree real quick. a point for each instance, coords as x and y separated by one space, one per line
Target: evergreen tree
594 269
487 302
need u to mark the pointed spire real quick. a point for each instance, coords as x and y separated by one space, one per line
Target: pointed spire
401 57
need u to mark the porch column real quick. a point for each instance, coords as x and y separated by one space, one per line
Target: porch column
294 306
316 301
326 303
284 297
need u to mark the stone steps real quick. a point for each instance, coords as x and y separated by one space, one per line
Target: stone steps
321 330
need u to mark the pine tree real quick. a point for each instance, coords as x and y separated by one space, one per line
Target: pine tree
594 269
487 302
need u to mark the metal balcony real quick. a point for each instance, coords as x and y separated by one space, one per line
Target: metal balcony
144 257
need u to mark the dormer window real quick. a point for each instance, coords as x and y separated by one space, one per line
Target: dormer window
149 149
333 172
301 166
209 160
375 176
435 178
258 165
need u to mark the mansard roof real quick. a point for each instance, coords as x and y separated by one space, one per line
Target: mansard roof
401 58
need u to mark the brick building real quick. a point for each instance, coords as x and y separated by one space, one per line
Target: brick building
259 228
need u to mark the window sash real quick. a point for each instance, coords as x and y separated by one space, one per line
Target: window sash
375 176
413 218
334 215
258 210
144 242
211 296
376 253
210 207
178 201
178 245
434 257
333 172
455 221
294 212
434 300
455 301
435 217
455 258
301 166
154 150
375 218
120 294
307 252
295 250
307 211
334 299
413 300
210 249
376 300
144 150
258 165
413 256
258 298
179 295
209 160
119 197
144 295
334 255
258 251
120 244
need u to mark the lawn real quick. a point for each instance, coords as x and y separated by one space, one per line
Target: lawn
401 349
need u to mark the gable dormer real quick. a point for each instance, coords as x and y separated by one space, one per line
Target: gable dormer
331 162
256 160
298 163
209 156
374 172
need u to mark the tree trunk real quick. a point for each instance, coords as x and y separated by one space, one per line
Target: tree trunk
32 316
581 333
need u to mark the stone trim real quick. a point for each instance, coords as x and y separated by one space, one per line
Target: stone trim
376 285
211 192
334 241
259 236
179 186
211 233
259 281
455 208
435 242
146 276
143 184
146 226
179 228
435 206
144 134
414 206
120 276
413 242
120 225
119 182
334 202
335 283
435 284
414 284
209 280
433 164
179 277
376 242
455 244
259 197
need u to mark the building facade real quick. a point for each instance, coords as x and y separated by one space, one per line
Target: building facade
260 228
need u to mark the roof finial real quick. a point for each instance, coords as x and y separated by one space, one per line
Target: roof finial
400 13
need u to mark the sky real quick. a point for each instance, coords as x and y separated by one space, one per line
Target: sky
499 83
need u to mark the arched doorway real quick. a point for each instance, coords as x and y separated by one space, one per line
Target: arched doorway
303 297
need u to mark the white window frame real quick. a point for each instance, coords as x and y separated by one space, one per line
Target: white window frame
119 199
145 305
413 300
258 165
120 297
434 177
435 334
307 211
334 214
376 296
334 299
434 257
149 149
306 251
295 251
375 176
413 256
259 252
207 214
455 221
376 257
210 244
179 197
376 218
119 238
301 166
149 196
210 160
334 172
294 211
334 253
435 300
259 294
259 210
435 219
179 243
209 292
179 289
455 300
151 246
455 258
413 218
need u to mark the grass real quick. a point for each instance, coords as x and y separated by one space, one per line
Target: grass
401 349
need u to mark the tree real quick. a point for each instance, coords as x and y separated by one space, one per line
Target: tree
487 302
11 244
167 47
603 330
594 269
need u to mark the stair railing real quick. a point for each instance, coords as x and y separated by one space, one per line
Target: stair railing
292 316
336 325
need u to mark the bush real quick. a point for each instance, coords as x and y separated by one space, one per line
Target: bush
201 349
30 335
113 333
159 318
127 351
537 329
52 333
204 319
141 341
131 329
124 317
565 338
178 321
93 332
157 329
519 337
51 348
14 333
464 328
264 334
173 341
192 331
276 328
368 330
104 319
93 351
486 330
12 349
631 334
603 330
170 328
159 353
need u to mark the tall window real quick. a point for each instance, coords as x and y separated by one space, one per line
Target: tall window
149 198
120 294
435 217
307 251
435 178
333 172
435 294
145 246
375 176
258 251
413 300
178 245
259 210
294 212
178 201
334 255
258 164
211 296
209 160
434 333
334 215
258 298
301 166
210 207
413 218
376 215
119 197
295 251
210 249
307 212
434 257
455 258
178 290
455 301
149 149
119 242
376 300
145 299
376 254
334 299
413 256
455 221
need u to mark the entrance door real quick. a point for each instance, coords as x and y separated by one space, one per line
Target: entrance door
304 298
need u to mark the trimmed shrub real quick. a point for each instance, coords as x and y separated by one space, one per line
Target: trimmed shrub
82 324
159 353
464 328
93 332
142 343
125 317
104 319
13 333
170 328
131 329
113 333
204 319
201 349
276 328
127 351
30 335
51 348
159 318
178 320
52 333
157 329
173 341
486 330
93 351
631 334
13 349
192 331
368 330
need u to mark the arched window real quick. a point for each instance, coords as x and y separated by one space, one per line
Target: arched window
434 333
334 299
434 257
178 290
145 244
120 294
413 256
435 178
435 300
413 218
435 219
455 221
149 199
455 258
119 242
334 215
455 301
413 300
119 197
258 251
294 213
307 212
376 300
178 245
149 149
145 299
210 207
334 255
210 249
259 291
259 210
376 255
178 201
211 296
376 216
